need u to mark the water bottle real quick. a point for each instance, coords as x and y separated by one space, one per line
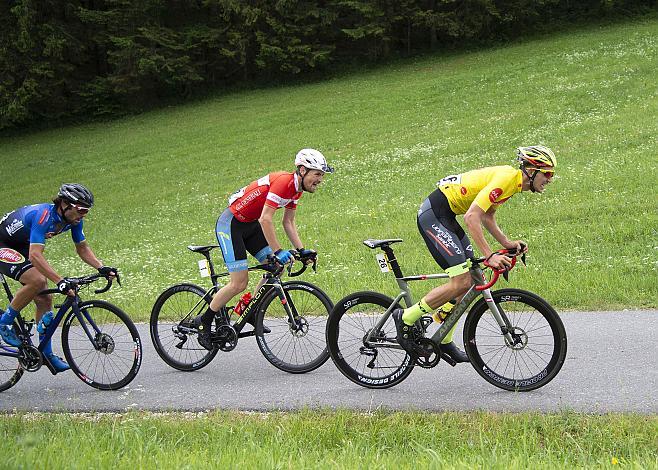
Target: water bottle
242 303
443 311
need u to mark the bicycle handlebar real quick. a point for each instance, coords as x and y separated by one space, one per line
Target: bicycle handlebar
83 281
274 267
505 271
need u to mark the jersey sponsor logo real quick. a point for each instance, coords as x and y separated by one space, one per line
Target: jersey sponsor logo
446 240
14 227
249 198
463 190
7 255
495 194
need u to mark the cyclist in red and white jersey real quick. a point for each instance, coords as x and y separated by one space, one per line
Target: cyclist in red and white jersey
246 225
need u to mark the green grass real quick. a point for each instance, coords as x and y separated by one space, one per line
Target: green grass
162 178
317 439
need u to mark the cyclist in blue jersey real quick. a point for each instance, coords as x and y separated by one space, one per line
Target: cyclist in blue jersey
23 235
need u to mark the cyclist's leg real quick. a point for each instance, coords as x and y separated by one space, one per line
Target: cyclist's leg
44 316
14 263
450 248
257 246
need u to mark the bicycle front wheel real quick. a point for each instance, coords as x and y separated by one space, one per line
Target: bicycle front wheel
294 346
102 345
364 351
173 335
536 353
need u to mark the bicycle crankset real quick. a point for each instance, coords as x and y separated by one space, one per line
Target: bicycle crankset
226 338
30 358
433 355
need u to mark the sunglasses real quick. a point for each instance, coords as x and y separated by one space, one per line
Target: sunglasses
547 173
82 210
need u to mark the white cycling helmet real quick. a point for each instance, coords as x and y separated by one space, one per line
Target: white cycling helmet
313 160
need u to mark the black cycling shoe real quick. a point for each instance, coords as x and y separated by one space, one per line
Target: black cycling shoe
454 352
204 337
407 335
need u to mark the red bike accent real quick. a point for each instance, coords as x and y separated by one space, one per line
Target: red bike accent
496 272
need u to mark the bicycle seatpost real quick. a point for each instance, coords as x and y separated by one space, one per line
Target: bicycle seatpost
392 260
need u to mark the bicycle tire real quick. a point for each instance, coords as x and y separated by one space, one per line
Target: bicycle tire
10 368
296 352
350 321
176 304
116 361
526 366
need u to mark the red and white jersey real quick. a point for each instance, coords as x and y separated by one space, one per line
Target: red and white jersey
278 189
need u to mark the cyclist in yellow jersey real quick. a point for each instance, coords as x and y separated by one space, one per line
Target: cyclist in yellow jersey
476 195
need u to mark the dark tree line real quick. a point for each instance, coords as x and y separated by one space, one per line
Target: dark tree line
65 58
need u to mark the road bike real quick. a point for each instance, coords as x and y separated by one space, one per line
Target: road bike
514 339
289 319
100 342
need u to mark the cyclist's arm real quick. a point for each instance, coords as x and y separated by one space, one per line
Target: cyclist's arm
489 222
474 219
291 228
267 224
38 260
86 255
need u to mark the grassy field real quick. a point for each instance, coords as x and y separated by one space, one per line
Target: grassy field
329 440
162 178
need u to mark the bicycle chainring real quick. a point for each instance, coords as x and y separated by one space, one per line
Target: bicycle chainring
226 338
30 358
433 353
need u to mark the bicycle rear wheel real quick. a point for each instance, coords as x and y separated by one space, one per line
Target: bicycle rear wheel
10 369
173 335
374 364
301 347
109 362
540 341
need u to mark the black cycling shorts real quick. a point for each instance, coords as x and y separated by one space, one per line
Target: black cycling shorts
444 237
236 238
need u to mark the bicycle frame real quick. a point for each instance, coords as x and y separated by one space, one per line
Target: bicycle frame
70 303
272 282
456 313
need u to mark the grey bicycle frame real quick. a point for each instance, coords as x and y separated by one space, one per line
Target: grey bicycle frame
455 315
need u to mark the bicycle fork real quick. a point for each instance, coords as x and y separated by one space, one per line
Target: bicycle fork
298 324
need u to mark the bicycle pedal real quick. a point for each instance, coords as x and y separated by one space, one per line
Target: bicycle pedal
448 359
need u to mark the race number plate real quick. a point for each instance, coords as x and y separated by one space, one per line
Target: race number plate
203 268
382 262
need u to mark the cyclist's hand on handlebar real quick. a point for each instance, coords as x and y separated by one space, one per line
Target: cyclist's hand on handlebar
307 256
283 256
498 261
517 246
66 286
108 271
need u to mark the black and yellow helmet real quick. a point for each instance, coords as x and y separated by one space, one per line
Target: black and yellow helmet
536 156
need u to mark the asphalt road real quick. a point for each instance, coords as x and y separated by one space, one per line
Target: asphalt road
611 365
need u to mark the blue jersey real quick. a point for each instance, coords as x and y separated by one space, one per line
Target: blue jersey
35 224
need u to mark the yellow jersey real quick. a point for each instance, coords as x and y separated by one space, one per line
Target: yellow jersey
488 187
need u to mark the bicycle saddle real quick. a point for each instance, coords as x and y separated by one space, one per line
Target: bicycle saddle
371 243
202 248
